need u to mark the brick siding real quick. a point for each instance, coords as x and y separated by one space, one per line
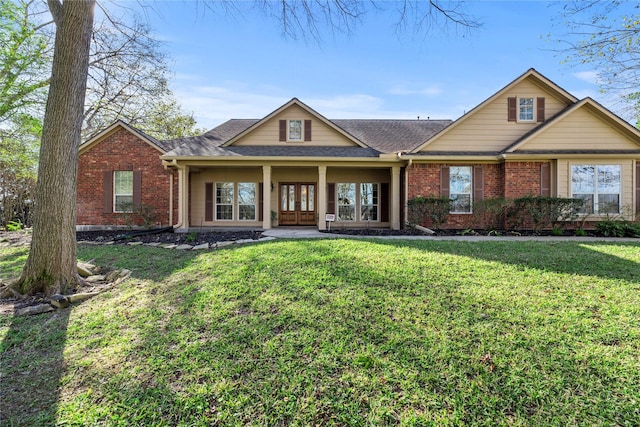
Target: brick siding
509 180
123 150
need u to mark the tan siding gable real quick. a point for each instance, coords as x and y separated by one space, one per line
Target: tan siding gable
488 129
267 133
580 130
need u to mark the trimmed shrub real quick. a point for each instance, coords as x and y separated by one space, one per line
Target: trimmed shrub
429 210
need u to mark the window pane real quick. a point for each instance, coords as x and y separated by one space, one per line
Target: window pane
247 212
346 213
224 212
346 201
283 195
224 200
368 201
587 206
526 109
583 178
303 198
246 193
461 203
123 182
312 203
224 192
460 179
608 203
292 197
124 204
295 130
246 201
608 178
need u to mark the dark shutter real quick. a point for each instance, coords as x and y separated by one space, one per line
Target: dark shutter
261 201
511 109
384 202
444 181
637 188
478 183
208 201
137 188
540 110
331 198
107 192
307 130
545 180
283 130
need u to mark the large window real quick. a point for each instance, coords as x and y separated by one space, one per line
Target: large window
358 201
295 130
224 200
460 188
599 187
368 201
246 201
346 201
122 191
525 112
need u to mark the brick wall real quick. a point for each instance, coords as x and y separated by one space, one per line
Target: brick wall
508 180
123 150
522 179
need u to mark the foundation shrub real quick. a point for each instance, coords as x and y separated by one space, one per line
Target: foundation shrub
489 214
432 211
543 212
618 227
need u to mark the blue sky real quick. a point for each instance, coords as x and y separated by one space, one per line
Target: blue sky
242 67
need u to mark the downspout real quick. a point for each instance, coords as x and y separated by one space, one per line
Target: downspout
171 198
405 220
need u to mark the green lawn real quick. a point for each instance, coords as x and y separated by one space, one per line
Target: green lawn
338 332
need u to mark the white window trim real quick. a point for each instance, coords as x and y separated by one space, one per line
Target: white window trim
301 139
596 205
375 205
357 204
470 192
533 106
115 194
255 200
216 204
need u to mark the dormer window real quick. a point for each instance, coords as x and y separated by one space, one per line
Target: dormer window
295 130
525 110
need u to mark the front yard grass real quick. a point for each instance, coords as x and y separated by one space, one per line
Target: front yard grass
338 332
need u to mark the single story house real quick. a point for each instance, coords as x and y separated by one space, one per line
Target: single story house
296 167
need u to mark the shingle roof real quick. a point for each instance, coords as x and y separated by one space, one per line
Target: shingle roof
389 136
198 149
383 136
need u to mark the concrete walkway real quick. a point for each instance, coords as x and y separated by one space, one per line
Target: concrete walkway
313 233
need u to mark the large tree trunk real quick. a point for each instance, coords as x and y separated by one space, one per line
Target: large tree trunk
51 266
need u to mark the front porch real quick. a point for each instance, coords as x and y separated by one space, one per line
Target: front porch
276 195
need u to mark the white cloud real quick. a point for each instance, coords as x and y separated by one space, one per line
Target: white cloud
424 91
588 76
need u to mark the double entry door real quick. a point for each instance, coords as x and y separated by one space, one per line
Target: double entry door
297 203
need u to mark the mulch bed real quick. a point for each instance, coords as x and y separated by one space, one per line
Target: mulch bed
193 238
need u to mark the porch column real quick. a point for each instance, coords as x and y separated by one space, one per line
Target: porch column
395 198
183 198
266 197
322 197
